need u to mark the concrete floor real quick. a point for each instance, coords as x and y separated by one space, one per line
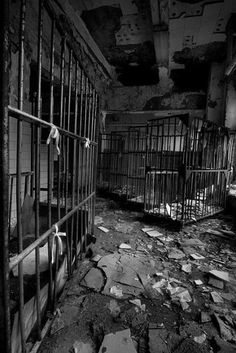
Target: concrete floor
149 284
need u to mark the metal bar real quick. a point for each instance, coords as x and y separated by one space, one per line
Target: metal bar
32 119
4 241
74 225
18 172
37 162
50 172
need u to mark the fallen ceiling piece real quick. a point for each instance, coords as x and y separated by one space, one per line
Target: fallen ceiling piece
124 246
154 234
118 342
224 276
103 229
176 254
94 279
216 297
197 256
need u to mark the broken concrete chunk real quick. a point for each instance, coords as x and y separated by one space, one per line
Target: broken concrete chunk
94 279
192 242
176 254
225 331
138 303
183 295
224 276
213 232
154 234
187 268
118 342
147 229
116 291
216 283
200 339
227 296
96 258
103 229
184 305
124 246
205 317
216 297
197 256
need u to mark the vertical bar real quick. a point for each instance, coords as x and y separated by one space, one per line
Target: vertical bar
50 172
74 240
67 126
37 164
62 79
18 171
4 250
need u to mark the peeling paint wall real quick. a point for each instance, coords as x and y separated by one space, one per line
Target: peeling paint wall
215 96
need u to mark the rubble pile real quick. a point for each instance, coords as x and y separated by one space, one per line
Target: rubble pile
147 289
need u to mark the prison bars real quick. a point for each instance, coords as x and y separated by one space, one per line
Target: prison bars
81 139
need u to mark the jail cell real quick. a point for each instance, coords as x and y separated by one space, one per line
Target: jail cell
187 168
51 145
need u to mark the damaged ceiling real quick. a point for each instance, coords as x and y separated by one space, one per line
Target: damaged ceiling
138 36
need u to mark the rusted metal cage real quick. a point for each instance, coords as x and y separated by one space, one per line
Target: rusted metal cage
121 163
48 164
188 165
113 162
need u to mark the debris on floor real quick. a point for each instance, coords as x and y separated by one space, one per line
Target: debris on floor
149 289
118 342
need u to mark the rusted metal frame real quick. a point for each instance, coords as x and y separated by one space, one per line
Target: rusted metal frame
129 166
173 168
32 154
59 159
146 165
90 155
54 298
45 235
166 163
50 160
19 170
37 164
78 165
158 165
67 170
86 132
32 119
84 162
4 180
10 205
74 224
184 176
93 160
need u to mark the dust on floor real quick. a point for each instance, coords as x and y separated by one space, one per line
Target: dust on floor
147 289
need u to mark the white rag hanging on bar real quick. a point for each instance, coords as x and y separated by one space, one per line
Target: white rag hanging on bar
54 134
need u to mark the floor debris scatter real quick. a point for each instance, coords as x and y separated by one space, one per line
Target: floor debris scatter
149 288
